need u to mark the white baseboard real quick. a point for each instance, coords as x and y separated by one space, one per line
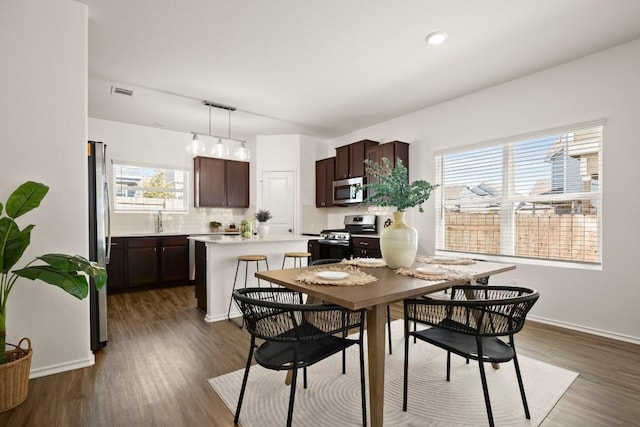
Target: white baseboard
587 330
63 367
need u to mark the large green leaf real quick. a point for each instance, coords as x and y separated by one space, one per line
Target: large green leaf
73 283
13 243
25 198
76 263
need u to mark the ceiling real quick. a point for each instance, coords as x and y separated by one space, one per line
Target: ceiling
325 68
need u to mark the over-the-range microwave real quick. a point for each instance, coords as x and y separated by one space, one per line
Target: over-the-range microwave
345 192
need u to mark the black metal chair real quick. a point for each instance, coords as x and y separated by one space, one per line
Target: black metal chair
333 261
296 335
469 325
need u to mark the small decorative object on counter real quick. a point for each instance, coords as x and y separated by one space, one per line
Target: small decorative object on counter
263 216
215 226
246 228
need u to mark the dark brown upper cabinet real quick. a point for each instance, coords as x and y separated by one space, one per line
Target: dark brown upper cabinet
220 183
324 182
392 151
350 159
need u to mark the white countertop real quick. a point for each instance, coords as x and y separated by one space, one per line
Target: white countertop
226 240
173 233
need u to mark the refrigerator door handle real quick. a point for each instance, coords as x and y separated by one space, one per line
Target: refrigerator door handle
107 198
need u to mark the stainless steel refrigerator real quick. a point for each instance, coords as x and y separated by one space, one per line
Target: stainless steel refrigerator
99 238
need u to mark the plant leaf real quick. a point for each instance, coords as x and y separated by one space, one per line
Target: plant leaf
72 283
13 243
75 264
25 198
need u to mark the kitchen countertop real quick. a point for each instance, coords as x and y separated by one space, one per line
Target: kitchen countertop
174 233
225 240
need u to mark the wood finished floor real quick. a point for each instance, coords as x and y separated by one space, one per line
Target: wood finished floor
160 354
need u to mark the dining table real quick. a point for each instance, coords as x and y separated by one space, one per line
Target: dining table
389 287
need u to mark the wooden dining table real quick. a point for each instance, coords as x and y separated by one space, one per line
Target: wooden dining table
389 287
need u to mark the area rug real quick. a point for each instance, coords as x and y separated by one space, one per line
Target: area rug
333 399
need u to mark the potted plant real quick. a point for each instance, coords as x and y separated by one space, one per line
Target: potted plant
68 272
398 242
263 216
215 226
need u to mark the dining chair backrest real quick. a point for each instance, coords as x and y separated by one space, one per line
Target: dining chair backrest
280 314
476 310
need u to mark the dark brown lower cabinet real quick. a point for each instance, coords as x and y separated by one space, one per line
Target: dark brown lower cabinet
313 247
143 262
117 264
201 276
366 247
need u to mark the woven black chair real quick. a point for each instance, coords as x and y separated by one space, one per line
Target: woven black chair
296 335
333 261
469 325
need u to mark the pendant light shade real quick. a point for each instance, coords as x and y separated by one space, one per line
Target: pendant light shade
220 149
242 153
196 146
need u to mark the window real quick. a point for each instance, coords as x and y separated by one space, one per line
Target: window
531 197
140 188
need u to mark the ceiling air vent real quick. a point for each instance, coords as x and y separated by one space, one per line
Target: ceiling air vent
121 91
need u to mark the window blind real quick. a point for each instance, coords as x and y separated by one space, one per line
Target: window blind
537 196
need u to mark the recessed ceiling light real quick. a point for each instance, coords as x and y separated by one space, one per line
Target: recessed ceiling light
437 37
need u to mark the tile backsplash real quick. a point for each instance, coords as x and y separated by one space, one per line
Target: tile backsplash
196 221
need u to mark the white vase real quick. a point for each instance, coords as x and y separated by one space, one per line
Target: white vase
263 230
399 243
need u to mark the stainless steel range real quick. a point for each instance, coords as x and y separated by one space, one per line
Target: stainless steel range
336 243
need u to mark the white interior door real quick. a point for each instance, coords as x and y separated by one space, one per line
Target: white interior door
278 197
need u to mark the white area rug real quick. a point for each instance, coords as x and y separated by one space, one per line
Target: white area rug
333 399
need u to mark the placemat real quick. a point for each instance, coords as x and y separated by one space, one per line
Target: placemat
361 262
356 277
447 274
450 261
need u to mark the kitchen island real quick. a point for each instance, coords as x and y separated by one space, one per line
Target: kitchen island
216 259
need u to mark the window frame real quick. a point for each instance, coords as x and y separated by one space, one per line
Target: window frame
508 199
185 191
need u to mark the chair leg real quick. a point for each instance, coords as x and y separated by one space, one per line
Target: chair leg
244 380
266 263
304 377
292 394
362 385
448 365
485 389
231 300
389 328
520 383
406 365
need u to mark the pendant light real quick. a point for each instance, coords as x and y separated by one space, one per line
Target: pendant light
196 146
220 149
242 153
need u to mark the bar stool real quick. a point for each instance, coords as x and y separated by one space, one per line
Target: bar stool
297 256
246 259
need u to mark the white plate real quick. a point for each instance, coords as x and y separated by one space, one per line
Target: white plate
430 270
372 261
444 258
332 275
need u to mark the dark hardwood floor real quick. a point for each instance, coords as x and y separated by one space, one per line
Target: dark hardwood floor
160 354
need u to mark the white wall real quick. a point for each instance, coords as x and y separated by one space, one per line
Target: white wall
603 85
43 128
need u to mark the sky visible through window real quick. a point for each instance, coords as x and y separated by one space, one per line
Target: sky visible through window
484 165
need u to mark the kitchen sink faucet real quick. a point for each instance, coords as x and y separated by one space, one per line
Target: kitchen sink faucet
159 227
